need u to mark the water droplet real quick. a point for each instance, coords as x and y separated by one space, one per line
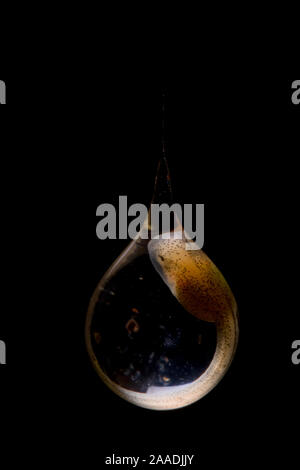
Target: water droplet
168 333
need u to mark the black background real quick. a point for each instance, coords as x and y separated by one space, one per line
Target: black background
233 144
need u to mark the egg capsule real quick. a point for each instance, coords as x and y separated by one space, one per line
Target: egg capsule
161 328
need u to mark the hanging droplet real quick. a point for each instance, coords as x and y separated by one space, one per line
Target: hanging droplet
161 328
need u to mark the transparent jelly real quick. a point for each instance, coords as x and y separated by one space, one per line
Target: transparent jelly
161 327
